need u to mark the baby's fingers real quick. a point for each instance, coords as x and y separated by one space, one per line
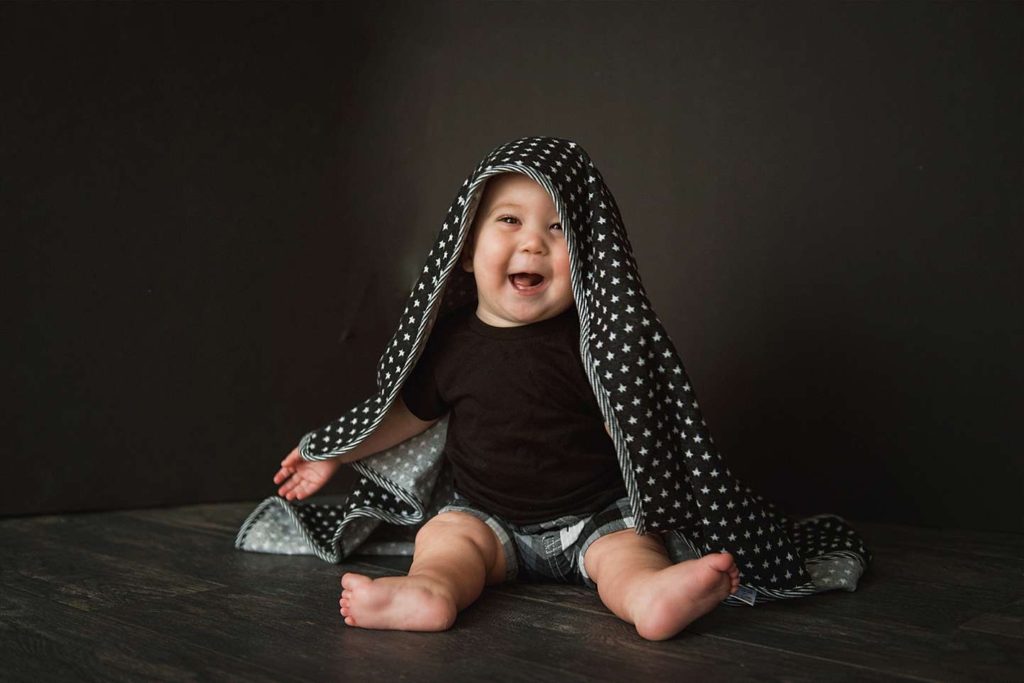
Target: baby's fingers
288 486
283 474
304 489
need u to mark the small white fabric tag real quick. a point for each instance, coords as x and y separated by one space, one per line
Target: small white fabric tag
745 595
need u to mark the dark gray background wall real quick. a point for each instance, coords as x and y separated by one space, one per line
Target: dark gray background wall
212 214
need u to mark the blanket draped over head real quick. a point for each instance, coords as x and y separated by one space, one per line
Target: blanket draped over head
678 483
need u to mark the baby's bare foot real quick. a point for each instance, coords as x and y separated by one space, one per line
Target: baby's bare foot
406 603
666 602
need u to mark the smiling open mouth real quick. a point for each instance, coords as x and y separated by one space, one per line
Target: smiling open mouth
523 281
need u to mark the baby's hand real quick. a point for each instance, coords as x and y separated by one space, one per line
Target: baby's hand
303 478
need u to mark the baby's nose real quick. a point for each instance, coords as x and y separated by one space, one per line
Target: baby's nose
533 243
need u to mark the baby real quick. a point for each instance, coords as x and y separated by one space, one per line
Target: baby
547 501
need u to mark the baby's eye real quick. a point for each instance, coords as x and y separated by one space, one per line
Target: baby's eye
513 219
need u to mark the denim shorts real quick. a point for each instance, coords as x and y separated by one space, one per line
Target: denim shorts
552 550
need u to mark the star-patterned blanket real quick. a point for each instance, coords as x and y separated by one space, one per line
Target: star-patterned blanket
678 483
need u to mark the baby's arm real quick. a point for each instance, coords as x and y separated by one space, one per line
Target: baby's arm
300 478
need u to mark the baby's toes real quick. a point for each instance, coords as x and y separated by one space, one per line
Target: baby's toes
351 580
720 562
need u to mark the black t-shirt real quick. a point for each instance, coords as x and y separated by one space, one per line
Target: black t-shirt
526 438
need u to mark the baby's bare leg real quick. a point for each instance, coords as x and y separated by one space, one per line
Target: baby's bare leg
639 583
456 554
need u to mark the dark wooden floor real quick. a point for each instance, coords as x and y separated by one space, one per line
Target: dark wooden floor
163 595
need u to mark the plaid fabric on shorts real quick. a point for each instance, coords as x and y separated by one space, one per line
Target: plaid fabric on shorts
551 550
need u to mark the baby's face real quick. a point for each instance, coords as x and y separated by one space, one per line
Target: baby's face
517 230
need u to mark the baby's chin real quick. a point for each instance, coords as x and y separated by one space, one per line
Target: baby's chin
519 318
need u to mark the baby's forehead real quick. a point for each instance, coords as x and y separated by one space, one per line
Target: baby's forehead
516 189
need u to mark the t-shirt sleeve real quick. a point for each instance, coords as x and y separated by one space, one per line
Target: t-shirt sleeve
420 391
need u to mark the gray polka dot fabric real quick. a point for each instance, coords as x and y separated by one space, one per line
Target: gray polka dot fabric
678 483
